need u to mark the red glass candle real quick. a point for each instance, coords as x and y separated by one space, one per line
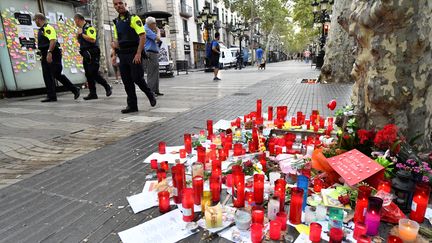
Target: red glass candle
384 185
293 121
238 122
229 180
394 239
154 164
215 188
296 205
275 230
238 149
315 232
259 188
238 189
164 165
278 150
201 154
270 113
280 187
222 156
188 205
258 215
209 128
359 229
198 187
336 235
318 184
307 122
161 175
364 239
251 147
216 168
321 122
256 232
282 218
178 174
259 108
420 202
263 162
188 143
362 203
164 201
182 153
249 197
162 147
316 127
271 147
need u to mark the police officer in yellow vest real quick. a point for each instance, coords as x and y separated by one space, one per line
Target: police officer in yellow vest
51 59
90 51
130 39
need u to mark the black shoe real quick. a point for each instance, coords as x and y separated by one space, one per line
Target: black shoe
216 78
109 91
49 100
153 102
159 94
90 97
129 110
77 94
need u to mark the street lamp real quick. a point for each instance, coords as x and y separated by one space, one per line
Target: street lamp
322 16
239 31
209 21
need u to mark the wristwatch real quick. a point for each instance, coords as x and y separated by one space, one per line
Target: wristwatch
49 51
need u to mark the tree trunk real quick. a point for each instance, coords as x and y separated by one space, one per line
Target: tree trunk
339 58
96 7
393 71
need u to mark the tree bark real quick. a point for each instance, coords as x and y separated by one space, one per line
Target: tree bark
339 58
96 7
392 70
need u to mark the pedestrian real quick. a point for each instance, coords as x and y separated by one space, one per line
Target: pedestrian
116 64
215 47
89 50
51 59
152 44
307 55
259 54
130 40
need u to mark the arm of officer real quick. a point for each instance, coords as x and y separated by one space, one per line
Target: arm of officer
90 34
136 24
51 34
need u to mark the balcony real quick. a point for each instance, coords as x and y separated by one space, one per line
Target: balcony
186 11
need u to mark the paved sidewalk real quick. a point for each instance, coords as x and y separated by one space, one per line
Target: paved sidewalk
84 199
36 136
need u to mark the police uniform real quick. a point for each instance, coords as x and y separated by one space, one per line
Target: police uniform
127 29
91 57
52 70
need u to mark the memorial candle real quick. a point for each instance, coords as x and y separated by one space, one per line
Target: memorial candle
280 187
188 205
162 147
270 113
164 201
258 215
259 188
275 230
251 146
161 175
179 182
278 150
282 218
198 187
420 202
318 184
362 202
259 108
209 129
154 164
222 155
336 235
271 147
201 154
256 232
238 149
296 205
373 218
359 229
273 207
394 239
263 162
384 185
182 153
315 232
238 189
408 230
215 188
249 197
188 143
164 165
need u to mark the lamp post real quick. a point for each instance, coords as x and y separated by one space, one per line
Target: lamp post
239 31
322 16
207 20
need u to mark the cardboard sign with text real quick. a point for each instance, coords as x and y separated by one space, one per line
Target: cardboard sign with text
354 167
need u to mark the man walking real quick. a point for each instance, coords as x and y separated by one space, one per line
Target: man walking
51 60
89 49
152 51
259 54
130 39
215 56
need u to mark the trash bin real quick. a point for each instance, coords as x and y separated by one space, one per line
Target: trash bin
182 66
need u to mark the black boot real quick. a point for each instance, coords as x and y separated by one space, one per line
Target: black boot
91 97
129 110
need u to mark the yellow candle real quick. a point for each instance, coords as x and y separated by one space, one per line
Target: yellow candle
213 216
408 230
205 200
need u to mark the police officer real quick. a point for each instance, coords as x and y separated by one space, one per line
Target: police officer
130 39
90 51
51 59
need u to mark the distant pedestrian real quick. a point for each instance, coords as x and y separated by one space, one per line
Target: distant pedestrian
130 40
116 63
89 49
307 55
215 47
51 59
153 42
259 54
